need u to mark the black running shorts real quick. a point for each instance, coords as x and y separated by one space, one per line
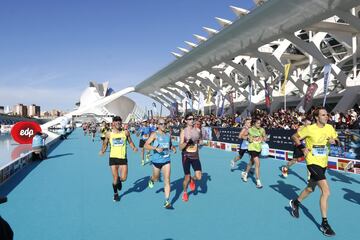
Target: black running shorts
160 165
117 161
317 173
254 154
142 143
242 152
187 162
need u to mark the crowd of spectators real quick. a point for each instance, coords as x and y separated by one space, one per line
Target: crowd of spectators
283 119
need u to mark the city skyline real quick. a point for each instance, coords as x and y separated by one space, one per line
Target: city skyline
52 50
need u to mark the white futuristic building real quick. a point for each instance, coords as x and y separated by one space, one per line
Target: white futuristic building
307 34
121 106
100 102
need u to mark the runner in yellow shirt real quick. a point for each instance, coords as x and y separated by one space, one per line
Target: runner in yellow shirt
318 138
118 139
257 136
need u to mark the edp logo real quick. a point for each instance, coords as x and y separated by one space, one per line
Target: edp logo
28 132
23 132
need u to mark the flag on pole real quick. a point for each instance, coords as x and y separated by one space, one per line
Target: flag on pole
189 99
201 102
230 98
217 98
267 97
209 95
222 109
250 88
327 71
174 109
309 95
286 73
154 107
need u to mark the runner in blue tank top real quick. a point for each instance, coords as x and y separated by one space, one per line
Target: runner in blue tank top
144 133
160 143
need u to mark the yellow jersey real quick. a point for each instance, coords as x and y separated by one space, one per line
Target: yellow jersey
118 145
317 141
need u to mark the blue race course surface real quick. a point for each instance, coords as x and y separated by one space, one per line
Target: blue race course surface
69 196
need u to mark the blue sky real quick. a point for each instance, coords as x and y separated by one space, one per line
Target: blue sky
51 49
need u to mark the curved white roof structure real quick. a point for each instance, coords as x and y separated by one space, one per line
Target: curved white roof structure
101 102
308 34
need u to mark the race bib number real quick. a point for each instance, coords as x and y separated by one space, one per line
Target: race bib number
319 150
165 147
118 142
191 148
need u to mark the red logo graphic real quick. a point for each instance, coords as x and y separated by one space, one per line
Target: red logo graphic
23 132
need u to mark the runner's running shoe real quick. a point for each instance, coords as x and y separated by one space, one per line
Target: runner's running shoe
294 209
232 164
326 229
167 204
284 171
116 197
185 197
258 184
244 176
151 183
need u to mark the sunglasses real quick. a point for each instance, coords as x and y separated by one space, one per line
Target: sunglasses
161 124
190 119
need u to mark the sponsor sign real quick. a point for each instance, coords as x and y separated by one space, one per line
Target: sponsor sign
280 139
23 132
227 135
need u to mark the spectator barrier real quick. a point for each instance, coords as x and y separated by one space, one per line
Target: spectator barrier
281 145
10 169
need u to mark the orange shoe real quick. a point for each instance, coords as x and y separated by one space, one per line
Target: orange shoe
185 197
192 185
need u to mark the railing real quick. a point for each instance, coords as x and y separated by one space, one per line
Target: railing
281 145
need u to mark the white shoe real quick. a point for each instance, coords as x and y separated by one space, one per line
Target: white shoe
232 164
258 183
284 171
244 176
349 166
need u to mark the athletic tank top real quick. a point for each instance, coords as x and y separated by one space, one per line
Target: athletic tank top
118 145
145 133
161 141
192 151
243 142
256 134
103 131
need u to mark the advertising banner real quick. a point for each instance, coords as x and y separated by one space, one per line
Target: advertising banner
280 139
227 135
